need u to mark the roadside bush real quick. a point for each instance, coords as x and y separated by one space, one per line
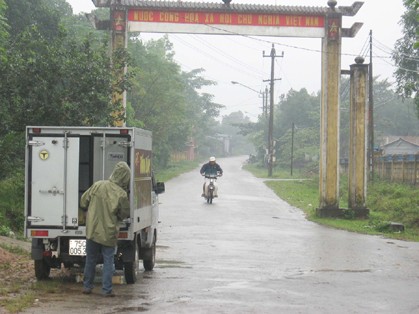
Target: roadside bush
4 230
14 144
394 202
12 192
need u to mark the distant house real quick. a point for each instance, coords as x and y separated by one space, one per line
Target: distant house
392 138
398 161
401 146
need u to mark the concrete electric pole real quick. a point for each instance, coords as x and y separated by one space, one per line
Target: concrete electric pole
271 109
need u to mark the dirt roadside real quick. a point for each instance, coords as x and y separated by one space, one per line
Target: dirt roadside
20 292
16 270
14 242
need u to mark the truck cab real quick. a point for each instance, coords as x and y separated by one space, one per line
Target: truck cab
61 164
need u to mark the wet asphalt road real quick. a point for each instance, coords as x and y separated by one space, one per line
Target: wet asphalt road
251 252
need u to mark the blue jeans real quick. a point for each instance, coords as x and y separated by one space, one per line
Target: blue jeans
93 251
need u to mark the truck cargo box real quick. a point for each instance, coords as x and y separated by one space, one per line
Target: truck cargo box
61 164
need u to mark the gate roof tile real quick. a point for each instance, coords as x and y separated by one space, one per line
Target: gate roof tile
215 7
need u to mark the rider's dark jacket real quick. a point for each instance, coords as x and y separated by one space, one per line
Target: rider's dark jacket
208 169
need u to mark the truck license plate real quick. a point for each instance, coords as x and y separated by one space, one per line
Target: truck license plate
77 247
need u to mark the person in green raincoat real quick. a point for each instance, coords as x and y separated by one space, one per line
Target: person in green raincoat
106 204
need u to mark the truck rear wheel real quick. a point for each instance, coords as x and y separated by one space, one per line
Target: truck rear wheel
131 267
130 272
42 269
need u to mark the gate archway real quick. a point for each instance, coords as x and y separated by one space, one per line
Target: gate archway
258 20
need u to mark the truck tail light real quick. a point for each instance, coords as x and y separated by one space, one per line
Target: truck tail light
123 131
123 235
39 233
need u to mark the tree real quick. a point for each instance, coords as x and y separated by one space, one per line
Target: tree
44 15
230 125
298 107
406 54
50 82
302 110
165 100
50 78
392 114
4 35
415 4
59 72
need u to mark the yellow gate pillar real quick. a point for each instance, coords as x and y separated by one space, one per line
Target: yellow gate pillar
358 139
119 40
329 123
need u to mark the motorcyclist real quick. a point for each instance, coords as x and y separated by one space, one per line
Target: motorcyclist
210 168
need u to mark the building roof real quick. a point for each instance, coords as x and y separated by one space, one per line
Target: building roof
392 139
219 6
400 140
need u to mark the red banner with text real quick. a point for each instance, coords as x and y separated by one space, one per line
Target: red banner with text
180 17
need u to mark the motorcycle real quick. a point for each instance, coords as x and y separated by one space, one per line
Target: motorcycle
211 187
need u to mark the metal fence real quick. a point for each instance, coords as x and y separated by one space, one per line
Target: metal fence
398 168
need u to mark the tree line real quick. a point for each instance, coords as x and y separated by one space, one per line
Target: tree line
56 69
297 124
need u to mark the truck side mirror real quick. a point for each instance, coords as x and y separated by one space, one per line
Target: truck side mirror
159 188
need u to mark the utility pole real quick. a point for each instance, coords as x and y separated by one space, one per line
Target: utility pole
262 95
292 146
371 115
265 110
271 109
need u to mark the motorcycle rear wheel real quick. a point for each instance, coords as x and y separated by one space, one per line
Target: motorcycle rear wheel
210 196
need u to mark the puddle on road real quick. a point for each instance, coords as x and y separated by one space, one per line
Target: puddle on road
131 309
299 274
171 264
343 270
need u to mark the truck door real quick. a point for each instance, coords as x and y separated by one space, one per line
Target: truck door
53 185
108 150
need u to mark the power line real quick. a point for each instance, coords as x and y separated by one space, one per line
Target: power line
251 71
223 53
243 70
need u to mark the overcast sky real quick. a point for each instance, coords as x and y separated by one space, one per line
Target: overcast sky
237 58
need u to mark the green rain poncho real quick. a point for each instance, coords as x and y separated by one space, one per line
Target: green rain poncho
107 203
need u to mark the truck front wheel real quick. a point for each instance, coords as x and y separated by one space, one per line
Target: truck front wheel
149 259
42 269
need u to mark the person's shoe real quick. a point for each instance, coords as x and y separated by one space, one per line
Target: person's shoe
109 295
87 291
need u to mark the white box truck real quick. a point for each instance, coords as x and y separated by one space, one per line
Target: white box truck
62 163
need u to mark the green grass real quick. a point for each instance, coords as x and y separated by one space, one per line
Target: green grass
15 249
21 295
306 198
276 173
176 168
387 202
20 302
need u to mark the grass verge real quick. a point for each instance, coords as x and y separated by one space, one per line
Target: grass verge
387 202
174 169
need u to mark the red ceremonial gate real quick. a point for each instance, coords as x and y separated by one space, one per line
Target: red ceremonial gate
258 20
